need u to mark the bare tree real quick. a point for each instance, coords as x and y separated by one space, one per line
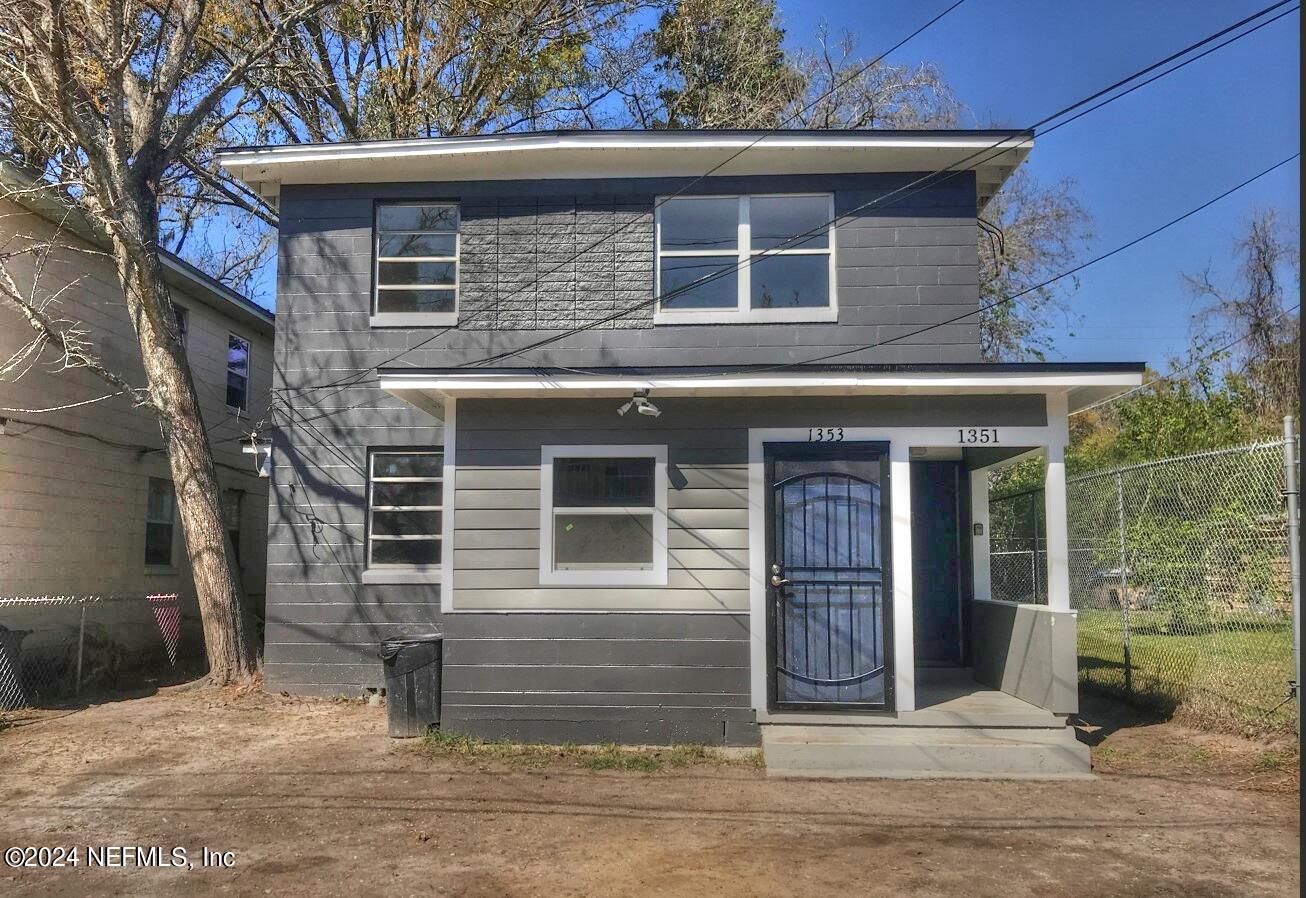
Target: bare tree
1253 315
841 91
109 101
1029 233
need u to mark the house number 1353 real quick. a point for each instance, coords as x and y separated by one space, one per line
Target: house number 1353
825 434
977 434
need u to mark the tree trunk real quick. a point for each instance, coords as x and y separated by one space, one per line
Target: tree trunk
227 637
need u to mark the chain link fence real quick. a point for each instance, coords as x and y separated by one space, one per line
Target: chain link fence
1180 572
54 649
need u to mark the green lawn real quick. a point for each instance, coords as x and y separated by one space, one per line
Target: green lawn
1232 677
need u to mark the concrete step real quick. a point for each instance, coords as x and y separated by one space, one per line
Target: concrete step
923 752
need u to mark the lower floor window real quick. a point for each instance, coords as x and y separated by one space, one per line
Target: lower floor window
405 508
231 502
603 515
160 516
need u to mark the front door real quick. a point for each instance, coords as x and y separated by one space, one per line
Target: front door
827 572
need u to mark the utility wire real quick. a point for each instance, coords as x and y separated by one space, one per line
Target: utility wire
929 180
923 183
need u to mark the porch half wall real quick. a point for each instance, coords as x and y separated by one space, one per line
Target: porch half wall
1027 651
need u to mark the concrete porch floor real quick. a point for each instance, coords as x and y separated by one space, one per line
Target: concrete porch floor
960 728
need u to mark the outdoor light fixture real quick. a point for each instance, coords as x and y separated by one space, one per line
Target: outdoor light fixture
639 402
262 452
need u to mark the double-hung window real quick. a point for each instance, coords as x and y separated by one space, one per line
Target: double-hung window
160 518
751 258
405 499
237 373
603 515
416 251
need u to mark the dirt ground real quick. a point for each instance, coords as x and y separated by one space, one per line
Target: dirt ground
313 799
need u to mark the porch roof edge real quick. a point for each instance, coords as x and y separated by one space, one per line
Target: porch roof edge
1084 383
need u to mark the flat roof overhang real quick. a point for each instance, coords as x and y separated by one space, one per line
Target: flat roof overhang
991 154
1083 384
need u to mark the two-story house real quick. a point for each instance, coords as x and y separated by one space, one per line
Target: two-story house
676 436
87 505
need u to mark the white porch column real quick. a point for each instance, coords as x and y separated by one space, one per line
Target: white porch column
904 656
979 545
1054 508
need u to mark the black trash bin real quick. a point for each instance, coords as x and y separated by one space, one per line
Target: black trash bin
412 683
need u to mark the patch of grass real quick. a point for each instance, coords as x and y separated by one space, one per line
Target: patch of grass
1270 760
1229 679
442 744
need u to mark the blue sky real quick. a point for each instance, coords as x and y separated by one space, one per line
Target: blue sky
1138 162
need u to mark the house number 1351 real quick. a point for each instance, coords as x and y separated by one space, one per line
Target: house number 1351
977 435
825 434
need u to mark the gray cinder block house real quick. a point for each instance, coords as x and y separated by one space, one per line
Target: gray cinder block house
674 435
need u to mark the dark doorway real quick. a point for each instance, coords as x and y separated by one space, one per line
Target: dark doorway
827 573
936 506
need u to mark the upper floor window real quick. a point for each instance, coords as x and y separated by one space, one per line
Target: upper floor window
237 373
416 264
746 258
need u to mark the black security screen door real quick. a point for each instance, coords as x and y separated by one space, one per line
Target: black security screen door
827 573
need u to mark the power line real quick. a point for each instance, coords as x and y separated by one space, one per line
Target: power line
1179 372
925 182
928 181
1080 267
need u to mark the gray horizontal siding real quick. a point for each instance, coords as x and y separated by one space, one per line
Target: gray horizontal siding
543 677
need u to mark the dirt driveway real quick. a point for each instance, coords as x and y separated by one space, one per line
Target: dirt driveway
312 799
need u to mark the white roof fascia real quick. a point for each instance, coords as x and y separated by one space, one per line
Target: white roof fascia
1083 388
628 154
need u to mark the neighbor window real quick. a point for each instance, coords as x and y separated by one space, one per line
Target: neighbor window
182 317
231 502
746 258
416 264
405 493
237 373
603 515
160 515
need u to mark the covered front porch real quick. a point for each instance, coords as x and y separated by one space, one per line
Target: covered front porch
836 521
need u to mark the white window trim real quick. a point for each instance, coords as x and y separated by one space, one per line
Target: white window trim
404 573
743 310
655 576
249 371
414 319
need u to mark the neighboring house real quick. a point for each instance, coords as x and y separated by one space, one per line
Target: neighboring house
795 540
85 508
